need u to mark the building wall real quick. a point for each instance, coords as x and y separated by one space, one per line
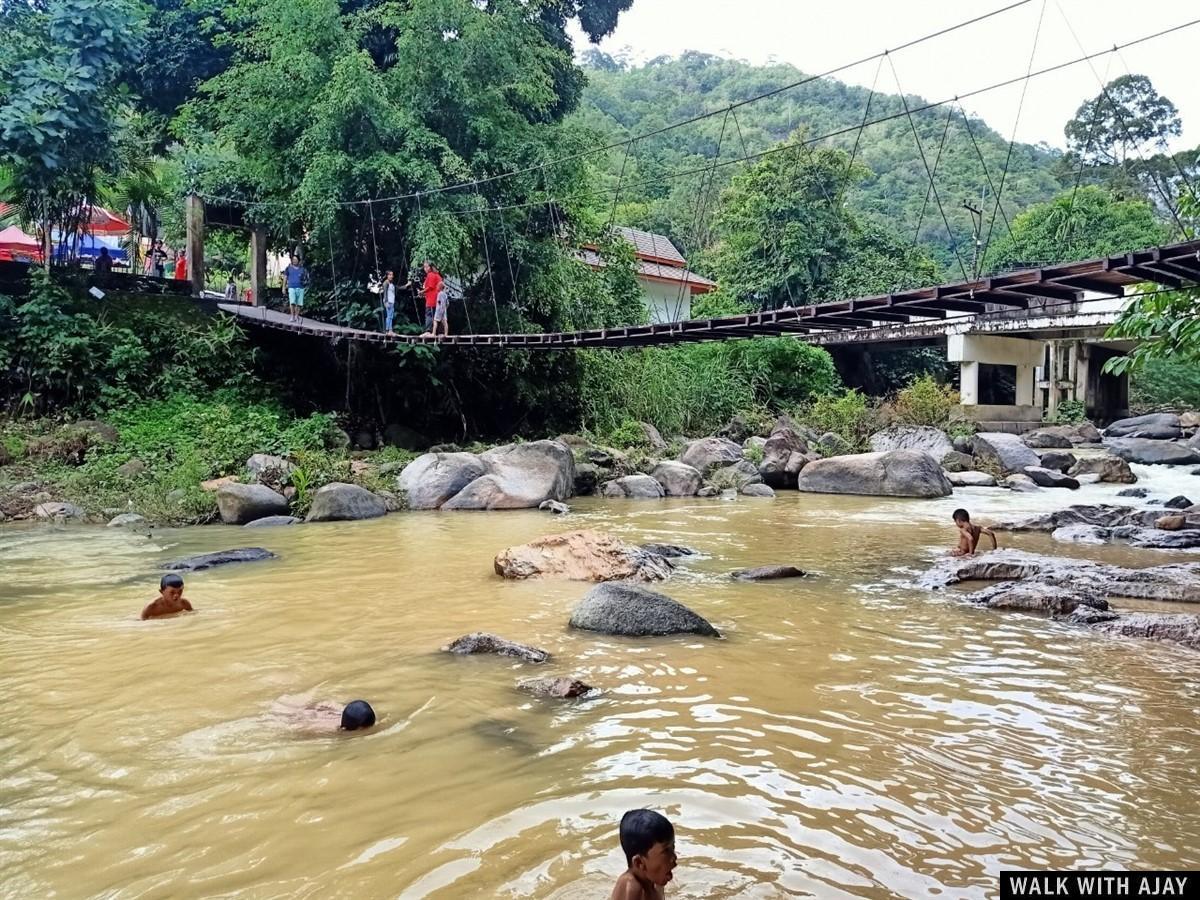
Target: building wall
663 301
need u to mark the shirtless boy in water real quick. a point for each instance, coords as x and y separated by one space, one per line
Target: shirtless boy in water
648 840
324 717
170 599
968 534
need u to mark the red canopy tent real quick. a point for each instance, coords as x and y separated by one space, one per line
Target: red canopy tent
102 222
16 245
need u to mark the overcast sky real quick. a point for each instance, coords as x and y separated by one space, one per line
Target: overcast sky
819 36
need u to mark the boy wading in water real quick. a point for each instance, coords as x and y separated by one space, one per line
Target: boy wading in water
968 534
648 840
170 599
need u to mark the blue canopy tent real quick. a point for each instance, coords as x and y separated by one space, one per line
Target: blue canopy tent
87 247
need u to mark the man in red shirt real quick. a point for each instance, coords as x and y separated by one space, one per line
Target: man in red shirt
433 284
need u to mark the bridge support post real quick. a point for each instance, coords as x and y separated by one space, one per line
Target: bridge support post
996 383
258 266
195 243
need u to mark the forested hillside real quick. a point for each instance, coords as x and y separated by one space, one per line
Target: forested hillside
620 102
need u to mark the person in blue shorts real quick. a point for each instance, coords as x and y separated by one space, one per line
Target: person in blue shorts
295 280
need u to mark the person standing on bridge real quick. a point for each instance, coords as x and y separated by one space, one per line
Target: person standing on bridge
389 301
295 280
431 288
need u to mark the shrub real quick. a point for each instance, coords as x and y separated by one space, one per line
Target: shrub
628 434
1069 412
925 402
850 416
1164 383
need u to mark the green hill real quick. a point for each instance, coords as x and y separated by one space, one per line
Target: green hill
620 102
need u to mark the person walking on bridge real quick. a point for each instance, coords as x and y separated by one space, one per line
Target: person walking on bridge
431 289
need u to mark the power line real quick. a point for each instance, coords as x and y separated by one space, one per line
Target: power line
666 128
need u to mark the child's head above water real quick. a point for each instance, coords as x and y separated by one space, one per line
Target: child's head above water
171 586
961 516
357 715
648 840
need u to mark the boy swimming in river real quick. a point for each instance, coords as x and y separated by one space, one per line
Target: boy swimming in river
648 840
968 534
324 717
170 599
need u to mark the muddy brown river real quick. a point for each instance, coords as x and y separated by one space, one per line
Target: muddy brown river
852 736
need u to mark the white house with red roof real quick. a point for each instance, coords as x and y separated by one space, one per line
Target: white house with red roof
668 286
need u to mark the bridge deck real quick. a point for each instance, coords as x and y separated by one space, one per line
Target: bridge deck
1030 292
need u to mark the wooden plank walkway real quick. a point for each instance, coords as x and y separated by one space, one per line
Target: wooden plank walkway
1030 292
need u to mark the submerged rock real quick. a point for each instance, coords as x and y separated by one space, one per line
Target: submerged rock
1054 600
559 509
482 642
1180 628
758 490
220 558
339 502
559 688
623 609
1139 493
242 503
671 551
896 473
272 522
582 556
767 573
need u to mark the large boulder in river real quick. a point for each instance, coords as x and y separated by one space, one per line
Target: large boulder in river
430 480
1044 477
1051 438
1155 427
711 453
582 556
243 503
1149 451
784 454
1110 468
1007 451
677 479
520 476
636 612
912 437
896 473
634 487
338 502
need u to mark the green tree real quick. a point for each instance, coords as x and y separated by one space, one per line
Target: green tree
1125 117
1077 225
1164 323
60 102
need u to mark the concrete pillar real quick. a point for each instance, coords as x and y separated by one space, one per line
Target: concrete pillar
968 388
195 243
258 266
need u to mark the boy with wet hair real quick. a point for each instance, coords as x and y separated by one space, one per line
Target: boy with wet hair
170 599
968 534
648 840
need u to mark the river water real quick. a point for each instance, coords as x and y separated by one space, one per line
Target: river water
851 736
